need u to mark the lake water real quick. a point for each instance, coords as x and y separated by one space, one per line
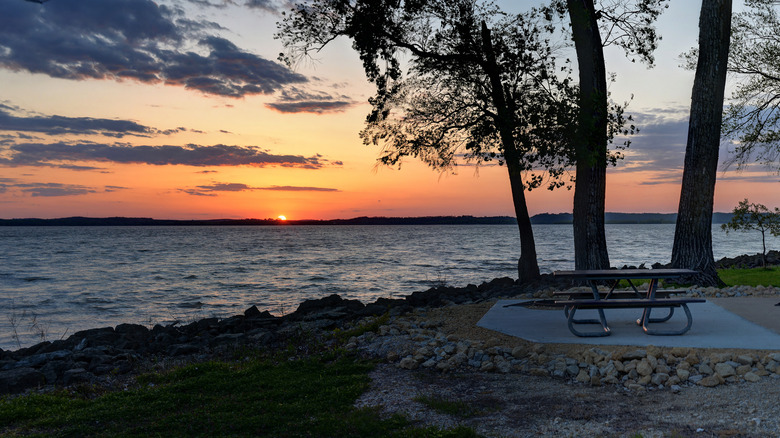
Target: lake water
67 279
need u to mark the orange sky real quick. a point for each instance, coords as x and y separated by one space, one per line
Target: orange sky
61 157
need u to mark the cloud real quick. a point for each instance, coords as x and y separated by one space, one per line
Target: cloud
659 148
273 6
131 40
296 100
54 189
59 154
212 189
115 188
58 125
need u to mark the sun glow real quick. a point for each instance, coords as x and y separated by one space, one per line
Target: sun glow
282 217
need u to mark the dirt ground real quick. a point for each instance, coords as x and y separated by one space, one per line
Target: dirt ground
519 405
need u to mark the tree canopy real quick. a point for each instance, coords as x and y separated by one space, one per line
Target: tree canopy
749 216
752 117
455 79
434 98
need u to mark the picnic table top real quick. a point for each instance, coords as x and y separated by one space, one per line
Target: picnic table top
618 274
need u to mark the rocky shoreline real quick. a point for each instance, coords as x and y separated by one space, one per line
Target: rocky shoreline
105 356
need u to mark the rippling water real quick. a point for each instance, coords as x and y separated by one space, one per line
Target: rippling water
71 278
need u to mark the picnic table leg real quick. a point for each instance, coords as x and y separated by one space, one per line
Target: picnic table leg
653 332
602 320
651 295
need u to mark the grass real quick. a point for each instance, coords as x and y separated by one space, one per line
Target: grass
310 397
769 276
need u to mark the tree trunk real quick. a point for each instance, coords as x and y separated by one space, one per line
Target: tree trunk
590 243
693 234
527 266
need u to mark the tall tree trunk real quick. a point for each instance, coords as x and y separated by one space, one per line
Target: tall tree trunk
693 234
590 243
527 266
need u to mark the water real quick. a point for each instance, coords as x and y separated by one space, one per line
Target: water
58 280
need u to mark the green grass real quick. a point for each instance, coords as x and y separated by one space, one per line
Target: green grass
751 277
310 397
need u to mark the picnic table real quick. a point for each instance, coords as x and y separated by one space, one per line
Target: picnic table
647 300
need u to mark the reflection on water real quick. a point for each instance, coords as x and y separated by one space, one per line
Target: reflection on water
74 278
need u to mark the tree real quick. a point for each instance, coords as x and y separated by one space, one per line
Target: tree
749 216
692 247
752 117
480 85
628 25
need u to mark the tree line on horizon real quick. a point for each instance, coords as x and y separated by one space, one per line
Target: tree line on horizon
464 80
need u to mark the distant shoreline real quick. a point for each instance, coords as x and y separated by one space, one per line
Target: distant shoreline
539 219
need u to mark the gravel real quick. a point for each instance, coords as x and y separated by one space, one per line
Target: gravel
516 388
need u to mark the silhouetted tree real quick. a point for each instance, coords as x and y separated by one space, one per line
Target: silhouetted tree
753 115
749 216
455 79
693 233
626 24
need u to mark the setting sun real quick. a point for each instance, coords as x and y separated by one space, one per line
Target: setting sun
282 217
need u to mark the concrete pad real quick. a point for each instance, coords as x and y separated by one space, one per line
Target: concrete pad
713 326
759 310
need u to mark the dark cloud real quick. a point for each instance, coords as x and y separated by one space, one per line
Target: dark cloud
295 100
273 6
54 189
659 147
57 125
210 190
131 39
58 154
115 188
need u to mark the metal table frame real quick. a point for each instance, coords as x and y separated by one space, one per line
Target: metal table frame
615 276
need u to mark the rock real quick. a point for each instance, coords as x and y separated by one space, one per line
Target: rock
683 374
487 365
182 349
18 379
720 357
37 360
744 359
502 365
659 379
76 375
429 363
744 369
643 368
725 370
132 331
711 381
751 377
408 363
330 302
583 376
635 354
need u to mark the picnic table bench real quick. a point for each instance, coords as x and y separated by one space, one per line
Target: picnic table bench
632 299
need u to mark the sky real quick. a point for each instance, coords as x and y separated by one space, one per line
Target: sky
180 110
